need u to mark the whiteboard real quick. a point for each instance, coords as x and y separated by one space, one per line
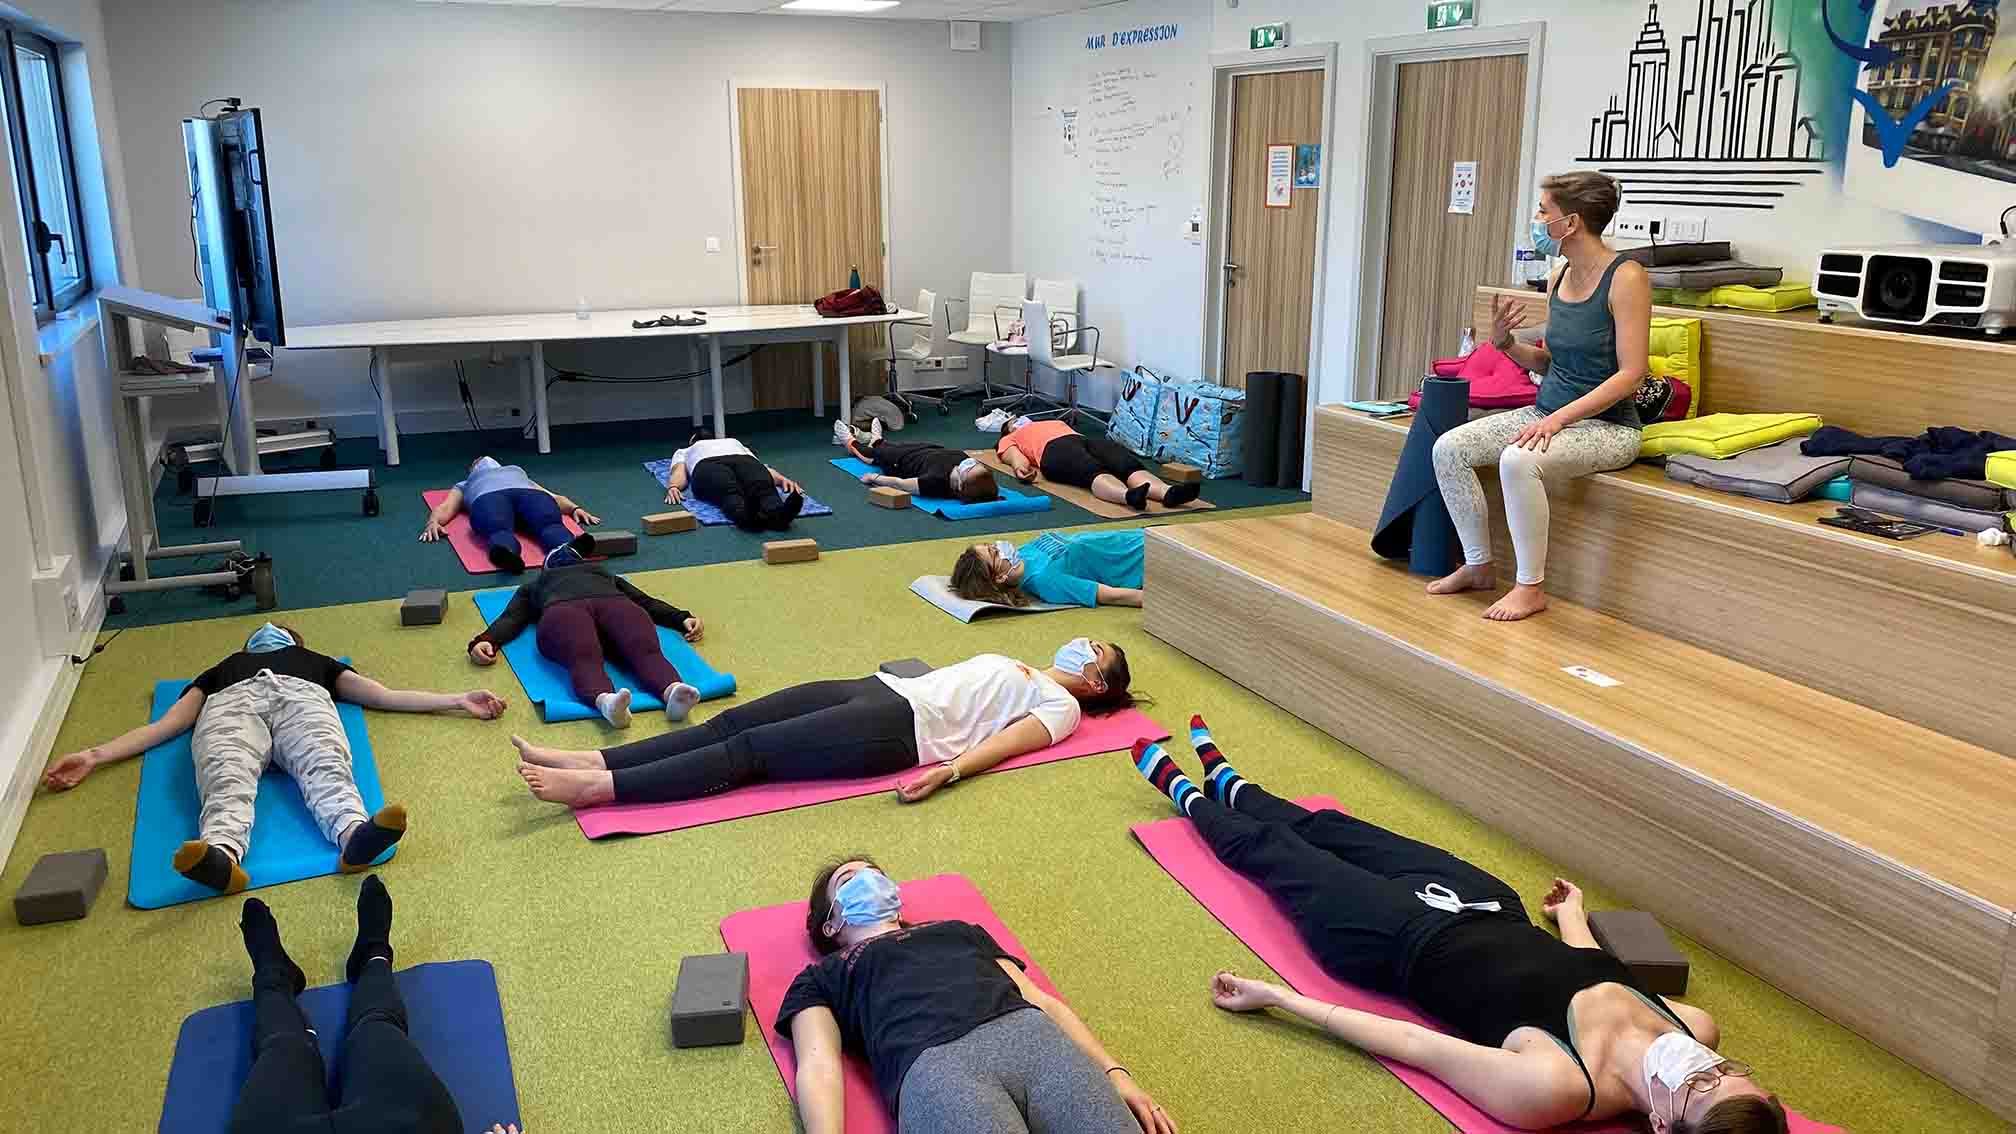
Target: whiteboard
1128 127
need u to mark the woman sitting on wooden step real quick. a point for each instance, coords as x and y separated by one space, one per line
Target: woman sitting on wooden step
1547 1031
1100 465
1599 330
957 722
1085 569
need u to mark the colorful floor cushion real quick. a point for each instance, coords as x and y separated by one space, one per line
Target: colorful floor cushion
1780 297
1674 352
1721 273
1779 473
1724 434
1496 381
1980 495
1891 502
2002 468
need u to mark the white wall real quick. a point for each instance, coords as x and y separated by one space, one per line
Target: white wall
1146 307
437 159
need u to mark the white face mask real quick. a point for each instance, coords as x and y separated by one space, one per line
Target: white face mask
1074 655
484 464
1669 1061
1017 424
963 470
1008 552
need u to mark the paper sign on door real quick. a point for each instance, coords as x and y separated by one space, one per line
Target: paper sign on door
1463 187
1280 176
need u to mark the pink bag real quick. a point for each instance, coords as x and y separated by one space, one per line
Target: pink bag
1496 382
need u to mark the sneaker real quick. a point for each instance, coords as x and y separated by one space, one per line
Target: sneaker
563 556
875 430
842 433
614 707
992 421
679 700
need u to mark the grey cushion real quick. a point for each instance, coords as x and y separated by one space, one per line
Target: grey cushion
1981 495
1701 277
1779 473
1890 502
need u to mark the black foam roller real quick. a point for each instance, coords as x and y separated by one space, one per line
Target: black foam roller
1263 409
1288 432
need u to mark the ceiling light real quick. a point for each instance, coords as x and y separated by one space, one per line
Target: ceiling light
840 5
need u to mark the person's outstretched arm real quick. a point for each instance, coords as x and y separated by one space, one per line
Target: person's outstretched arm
520 612
450 506
1018 463
662 613
1511 1087
675 485
1119 596
1025 735
1153 1119
784 483
569 508
1563 906
358 689
822 1098
68 771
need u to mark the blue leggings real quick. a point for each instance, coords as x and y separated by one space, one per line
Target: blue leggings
498 516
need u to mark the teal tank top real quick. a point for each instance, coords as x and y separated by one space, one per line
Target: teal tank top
1582 340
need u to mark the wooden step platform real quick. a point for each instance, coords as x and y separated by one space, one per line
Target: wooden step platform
1860 863
1909 628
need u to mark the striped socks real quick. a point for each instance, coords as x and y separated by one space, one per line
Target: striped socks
1157 768
1220 777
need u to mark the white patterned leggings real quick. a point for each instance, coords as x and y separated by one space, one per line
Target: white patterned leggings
271 717
1588 446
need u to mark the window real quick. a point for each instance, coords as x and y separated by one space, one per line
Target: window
38 142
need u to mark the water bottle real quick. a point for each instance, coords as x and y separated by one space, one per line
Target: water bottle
1468 344
581 307
854 278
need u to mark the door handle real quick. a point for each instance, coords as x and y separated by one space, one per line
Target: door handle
756 251
1232 267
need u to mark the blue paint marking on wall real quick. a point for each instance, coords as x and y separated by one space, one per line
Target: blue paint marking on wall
1154 33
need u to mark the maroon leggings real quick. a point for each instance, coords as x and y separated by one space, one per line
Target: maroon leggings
572 634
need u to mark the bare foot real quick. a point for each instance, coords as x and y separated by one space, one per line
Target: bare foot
1469 577
1522 601
569 786
531 753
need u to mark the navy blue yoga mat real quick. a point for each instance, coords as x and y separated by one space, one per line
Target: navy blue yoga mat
452 1014
1415 523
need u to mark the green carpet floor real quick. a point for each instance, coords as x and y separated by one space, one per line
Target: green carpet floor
586 938
326 551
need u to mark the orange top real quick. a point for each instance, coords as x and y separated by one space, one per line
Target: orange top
1032 438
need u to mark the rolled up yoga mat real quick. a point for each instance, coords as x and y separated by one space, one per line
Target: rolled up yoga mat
1415 523
1288 446
1263 408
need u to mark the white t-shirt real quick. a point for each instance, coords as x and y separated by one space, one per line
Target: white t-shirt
701 450
961 705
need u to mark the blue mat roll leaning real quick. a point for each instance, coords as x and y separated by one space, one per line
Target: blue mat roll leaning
1415 523
287 846
453 1016
546 683
1011 503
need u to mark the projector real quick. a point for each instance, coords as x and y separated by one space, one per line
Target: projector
1971 286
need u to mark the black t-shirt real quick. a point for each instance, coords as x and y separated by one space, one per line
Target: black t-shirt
291 661
932 465
1485 976
898 995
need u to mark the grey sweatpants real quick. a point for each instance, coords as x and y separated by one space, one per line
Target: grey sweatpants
284 720
1014 1074
1588 446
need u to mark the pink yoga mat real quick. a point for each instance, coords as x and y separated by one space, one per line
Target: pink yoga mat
472 551
778 948
1254 919
1111 733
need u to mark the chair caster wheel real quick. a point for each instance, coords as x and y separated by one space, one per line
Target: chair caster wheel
126 572
370 501
116 604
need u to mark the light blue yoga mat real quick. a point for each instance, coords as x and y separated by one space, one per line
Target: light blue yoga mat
708 514
287 846
1012 503
546 683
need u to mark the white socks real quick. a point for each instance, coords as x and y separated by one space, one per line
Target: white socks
679 700
614 707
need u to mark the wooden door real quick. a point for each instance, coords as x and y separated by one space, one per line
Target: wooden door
1270 253
1446 112
812 211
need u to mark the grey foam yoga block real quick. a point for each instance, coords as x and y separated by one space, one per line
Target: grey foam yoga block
60 887
616 542
424 607
1637 939
708 1002
906 667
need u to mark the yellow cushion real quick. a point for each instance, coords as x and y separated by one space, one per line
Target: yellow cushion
1676 353
2002 468
1777 297
1724 434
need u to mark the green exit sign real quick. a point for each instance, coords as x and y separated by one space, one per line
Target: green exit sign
1451 14
1264 36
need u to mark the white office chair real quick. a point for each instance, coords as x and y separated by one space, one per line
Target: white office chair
985 292
917 350
1060 299
1043 350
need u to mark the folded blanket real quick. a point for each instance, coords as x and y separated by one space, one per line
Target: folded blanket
1980 495
1938 453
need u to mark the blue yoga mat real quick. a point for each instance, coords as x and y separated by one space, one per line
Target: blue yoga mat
708 514
1011 503
452 1014
1415 523
546 683
287 846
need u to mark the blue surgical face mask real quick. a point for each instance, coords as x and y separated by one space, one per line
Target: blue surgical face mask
484 464
1074 655
1543 237
1017 424
267 639
963 470
868 898
1009 553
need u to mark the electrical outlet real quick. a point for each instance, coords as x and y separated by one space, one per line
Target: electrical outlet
713 245
1632 226
1687 229
956 362
935 362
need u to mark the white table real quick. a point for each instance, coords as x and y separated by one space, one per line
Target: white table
469 336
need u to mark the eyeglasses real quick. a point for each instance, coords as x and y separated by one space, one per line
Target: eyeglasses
667 321
1702 1082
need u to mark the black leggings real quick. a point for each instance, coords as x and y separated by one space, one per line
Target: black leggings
387 1085
1078 460
824 730
739 485
1348 885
